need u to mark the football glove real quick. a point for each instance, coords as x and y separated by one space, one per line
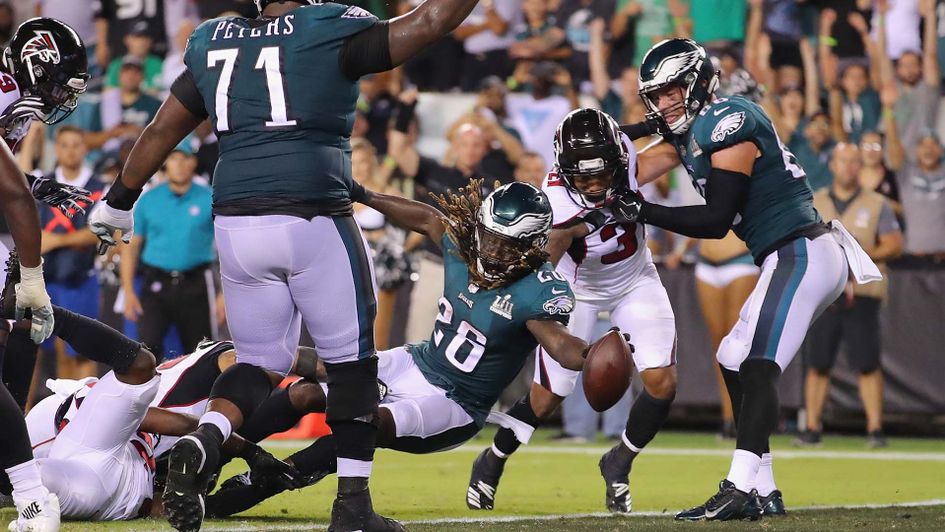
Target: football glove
67 198
105 220
21 111
31 294
627 208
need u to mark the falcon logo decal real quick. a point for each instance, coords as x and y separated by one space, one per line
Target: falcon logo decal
42 46
728 125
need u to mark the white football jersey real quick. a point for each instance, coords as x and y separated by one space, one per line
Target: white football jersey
9 93
606 262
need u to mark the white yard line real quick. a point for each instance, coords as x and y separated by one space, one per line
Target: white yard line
238 527
780 454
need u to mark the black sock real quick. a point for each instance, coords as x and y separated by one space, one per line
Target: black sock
19 361
94 340
321 455
15 443
760 404
733 384
275 414
646 418
505 440
245 385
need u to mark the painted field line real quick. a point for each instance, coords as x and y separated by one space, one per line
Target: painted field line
245 527
779 454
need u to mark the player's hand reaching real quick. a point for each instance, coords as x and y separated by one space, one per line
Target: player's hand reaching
67 198
31 294
105 220
272 474
627 207
19 112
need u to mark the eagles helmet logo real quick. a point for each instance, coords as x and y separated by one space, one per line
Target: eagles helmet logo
671 67
728 125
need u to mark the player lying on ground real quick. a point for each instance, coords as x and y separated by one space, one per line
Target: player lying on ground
753 185
610 269
501 299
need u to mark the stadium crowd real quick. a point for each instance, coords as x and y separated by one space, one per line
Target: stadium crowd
853 88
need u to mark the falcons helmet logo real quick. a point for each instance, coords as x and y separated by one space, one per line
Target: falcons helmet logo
43 48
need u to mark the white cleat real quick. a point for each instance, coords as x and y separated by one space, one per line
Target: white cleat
37 516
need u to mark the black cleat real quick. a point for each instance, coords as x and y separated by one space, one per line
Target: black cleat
772 505
616 473
484 481
809 438
191 461
353 512
727 505
239 493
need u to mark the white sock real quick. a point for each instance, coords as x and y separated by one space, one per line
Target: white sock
745 466
219 421
764 480
27 482
626 441
354 468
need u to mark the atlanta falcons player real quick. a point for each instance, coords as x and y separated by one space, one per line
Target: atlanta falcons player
44 71
610 269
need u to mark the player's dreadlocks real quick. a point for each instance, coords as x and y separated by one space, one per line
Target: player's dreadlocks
462 217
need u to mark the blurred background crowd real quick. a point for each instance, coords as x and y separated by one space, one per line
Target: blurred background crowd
853 88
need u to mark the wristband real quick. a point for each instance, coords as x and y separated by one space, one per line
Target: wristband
121 197
389 162
828 40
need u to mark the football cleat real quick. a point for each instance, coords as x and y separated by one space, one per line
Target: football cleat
37 516
238 493
616 473
484 481
773 504
353 512
728 504
191 462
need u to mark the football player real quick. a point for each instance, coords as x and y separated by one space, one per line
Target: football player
280 91
752 184
610 268
501 299
44 71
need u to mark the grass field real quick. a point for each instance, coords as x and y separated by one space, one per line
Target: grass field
557 487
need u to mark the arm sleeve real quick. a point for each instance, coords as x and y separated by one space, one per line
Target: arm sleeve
185 89
366 52
725 196
887 221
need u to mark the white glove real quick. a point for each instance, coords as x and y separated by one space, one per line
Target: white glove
31 294
105 220
21 111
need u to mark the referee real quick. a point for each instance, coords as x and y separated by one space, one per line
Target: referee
174 241
854 318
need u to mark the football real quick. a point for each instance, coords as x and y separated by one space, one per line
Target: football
607 370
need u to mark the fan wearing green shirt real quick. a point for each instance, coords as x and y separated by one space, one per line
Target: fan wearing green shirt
138 42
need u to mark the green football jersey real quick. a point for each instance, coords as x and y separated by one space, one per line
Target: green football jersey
480 341
780 201
281 106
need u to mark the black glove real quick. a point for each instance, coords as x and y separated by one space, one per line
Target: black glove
594 220
66 198
626 336
627 208
19 112
270 473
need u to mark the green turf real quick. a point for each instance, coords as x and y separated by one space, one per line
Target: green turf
550 479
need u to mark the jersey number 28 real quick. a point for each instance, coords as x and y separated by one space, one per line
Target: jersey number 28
467 346
268 61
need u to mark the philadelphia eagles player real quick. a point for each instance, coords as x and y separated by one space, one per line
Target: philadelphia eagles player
280 91
752 184
501 299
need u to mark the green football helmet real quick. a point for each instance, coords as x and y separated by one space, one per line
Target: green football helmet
261 4
514 219
683 63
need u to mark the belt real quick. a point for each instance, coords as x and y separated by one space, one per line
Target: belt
810 232
175 276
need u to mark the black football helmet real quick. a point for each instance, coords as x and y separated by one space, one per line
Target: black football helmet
588 144
261 4
683 63
513 219
47 59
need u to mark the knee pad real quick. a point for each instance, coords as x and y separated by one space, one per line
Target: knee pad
352 391
244 385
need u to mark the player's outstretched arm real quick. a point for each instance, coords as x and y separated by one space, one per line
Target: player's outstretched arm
426 23
411 214
555 339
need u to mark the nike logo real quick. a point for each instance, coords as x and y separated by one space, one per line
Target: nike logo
711 514
720 111
556 292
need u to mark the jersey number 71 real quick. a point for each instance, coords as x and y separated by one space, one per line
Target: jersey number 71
268 61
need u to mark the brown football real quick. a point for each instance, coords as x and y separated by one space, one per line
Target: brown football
607 371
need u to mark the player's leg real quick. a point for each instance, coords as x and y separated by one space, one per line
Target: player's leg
333 287
823 342
646 314
552 383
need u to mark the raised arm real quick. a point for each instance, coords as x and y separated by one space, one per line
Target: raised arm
424 24
930 71
895 154
555 339
411 214
597 58
856 19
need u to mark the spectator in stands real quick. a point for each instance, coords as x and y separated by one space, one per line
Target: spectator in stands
173 242
491 102
812 149
718 24
123 112
531 169
896 22
874 174
173 64
376 105
208 9
854 102
69 250
138 42
649 22
916 77
119 16
537 36
616 104
503 148
853 320
782 24
486 35
537 115
575 17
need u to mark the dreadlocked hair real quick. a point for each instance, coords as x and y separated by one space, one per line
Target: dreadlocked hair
462 217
